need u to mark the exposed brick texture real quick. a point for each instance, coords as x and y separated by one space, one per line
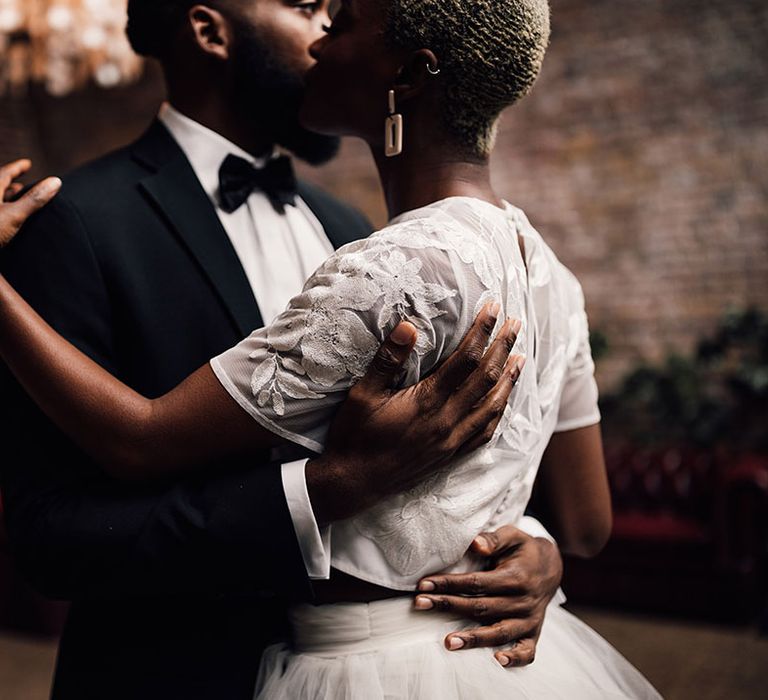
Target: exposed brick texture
641 156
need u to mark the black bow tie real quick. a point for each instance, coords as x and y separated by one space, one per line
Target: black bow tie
238 179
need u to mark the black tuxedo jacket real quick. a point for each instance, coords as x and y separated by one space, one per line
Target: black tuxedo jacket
175 586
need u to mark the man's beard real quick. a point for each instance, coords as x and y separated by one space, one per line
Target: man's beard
270 95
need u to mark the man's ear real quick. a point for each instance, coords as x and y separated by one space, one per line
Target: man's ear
211 31
417 74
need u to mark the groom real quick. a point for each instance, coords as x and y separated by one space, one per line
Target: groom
154 259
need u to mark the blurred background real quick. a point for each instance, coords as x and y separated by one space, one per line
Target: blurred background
642 158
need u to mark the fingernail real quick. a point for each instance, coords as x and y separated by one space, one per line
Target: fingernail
423 603
426 586
520 363
53 185
494 309
504 660
481 541
401 335
516 326
455 643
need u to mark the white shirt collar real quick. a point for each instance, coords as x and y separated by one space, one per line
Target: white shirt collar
205 149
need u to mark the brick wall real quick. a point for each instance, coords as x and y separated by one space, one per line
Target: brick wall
641 156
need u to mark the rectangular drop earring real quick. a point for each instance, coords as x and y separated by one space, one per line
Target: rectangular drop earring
393 130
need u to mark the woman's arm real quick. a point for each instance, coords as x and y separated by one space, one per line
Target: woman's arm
192 424
574 479
268 374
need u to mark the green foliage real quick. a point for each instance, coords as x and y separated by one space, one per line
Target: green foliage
598 341
717 397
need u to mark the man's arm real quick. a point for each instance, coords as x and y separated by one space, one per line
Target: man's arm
76 531
202 535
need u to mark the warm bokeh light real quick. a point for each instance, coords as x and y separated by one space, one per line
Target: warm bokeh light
64 44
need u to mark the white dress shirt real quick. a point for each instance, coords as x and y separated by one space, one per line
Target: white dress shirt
278 252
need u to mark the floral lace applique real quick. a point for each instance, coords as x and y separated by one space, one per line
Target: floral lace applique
437 517
474 250
322 337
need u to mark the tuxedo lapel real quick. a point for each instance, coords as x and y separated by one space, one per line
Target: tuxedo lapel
177 193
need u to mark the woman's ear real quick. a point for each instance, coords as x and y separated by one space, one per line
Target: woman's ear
211 31
417 74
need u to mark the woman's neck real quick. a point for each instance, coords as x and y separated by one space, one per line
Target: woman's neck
422 176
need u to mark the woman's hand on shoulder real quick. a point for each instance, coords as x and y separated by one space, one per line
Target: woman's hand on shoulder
15 210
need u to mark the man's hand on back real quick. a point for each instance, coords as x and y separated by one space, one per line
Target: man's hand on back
509 600
384 441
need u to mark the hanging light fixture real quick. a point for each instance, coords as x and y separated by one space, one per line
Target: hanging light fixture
64 44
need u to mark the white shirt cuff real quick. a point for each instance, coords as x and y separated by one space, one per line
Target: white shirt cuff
531 526
315 545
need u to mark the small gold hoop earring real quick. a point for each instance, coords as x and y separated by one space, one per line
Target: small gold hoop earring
393 130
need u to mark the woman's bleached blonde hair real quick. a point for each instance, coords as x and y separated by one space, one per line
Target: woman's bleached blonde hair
489 51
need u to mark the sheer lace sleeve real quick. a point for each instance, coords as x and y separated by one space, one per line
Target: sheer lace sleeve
291 375
579 399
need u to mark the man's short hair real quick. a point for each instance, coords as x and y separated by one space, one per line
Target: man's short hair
490 53
152 24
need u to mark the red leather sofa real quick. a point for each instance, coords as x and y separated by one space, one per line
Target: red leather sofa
690 535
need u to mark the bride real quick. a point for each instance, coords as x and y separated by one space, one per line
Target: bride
435 74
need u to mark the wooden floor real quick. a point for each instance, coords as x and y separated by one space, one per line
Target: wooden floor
689 661
685 661
26 666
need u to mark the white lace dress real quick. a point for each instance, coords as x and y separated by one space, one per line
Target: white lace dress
435 267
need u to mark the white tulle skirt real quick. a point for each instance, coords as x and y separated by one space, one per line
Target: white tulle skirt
387 651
